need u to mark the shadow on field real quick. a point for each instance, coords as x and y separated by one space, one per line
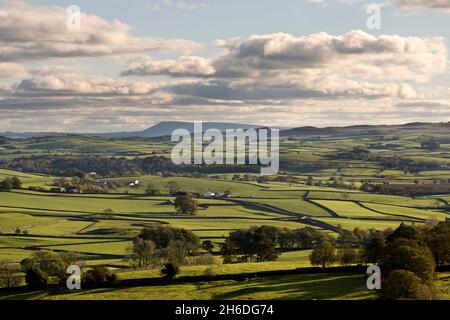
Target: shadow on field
304 287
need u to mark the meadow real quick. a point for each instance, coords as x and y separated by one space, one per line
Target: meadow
66 222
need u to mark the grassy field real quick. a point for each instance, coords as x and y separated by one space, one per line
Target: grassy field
299 287
63 221
74 222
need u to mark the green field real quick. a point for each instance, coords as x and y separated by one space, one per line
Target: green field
303 287
66 222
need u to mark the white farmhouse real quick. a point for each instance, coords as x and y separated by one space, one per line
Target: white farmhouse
209 194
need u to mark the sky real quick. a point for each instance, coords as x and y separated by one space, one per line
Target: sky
127 65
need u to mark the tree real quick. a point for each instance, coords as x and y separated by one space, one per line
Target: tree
308 237
404 254
152 190
438 240
177 253
323 254
173 187
8 274
144 253
405 231
375 249
431 145
5 185
208 245
170 270
186 205
44 266
163 235
108 213
255 244
403 284
310 181
263 245
15 183
98 276
346 255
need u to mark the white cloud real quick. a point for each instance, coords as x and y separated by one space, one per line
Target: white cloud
282 66
12 70
185 66
29 32
423 4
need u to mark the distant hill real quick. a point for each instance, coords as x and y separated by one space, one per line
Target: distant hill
159 130
368 129
166 128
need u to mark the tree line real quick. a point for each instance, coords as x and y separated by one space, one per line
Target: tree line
407 257
68 166
263 243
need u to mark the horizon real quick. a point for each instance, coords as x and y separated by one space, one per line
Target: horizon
233 123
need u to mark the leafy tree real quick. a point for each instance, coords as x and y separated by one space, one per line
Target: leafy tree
144 253
310 181
404 254
346 255
323 254
208 245
152 190
177 252
5 185
403 284
173 187
186 205
98 276
308 237
163 235
255 244
8 274
108 213
43 266
438 240
405 231
375 249
431 145
16 183
170 270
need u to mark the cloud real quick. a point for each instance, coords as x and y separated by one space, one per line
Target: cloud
410 57
12 70
29 32
283 66
423 4
72 84
411 5
186 66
